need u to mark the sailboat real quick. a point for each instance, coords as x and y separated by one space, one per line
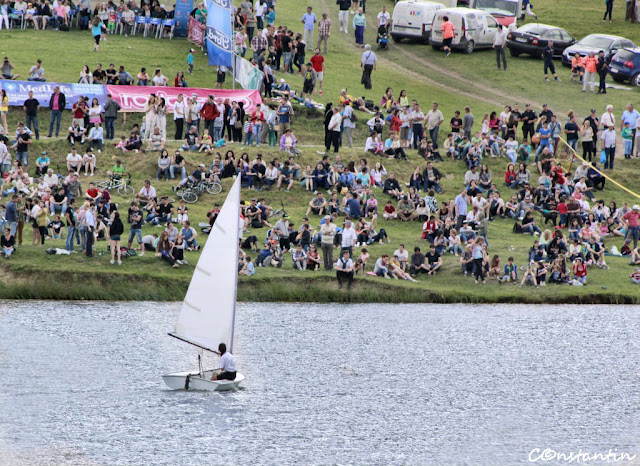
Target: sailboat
207 316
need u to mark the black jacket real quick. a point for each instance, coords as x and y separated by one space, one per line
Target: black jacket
116 228
62 102
436 173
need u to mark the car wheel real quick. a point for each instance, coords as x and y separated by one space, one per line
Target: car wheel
636 80
469 48
514 53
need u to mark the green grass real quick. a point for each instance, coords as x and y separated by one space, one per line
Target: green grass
458 81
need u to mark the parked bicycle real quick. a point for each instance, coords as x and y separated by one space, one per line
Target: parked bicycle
121 184
190 193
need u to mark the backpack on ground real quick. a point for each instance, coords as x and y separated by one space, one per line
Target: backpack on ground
517 228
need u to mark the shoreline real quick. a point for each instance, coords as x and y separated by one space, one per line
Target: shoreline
72 286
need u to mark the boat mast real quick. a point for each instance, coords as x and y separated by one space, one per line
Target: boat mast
235 288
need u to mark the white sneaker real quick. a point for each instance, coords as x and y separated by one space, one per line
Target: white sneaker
112 261
179 262
184 262
119 262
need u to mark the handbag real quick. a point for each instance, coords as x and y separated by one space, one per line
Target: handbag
603 157
237 124
276 128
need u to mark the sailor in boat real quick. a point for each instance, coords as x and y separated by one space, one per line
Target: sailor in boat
227 365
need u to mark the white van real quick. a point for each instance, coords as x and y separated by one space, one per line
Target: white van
473 29
412 19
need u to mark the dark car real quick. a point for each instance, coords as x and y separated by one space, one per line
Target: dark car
532 38
625 66
594 43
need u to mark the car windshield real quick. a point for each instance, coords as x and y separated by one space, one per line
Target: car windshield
596 42
498 7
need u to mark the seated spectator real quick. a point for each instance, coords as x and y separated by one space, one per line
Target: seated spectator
317 205
196 177
389 211
299 258
96 136
74 161
433 260
42 163
344 269
189 235
191 140
288 142
156 141
392 187
286 176
8 243
164 162
381 268
89 162
7 70
406 209
76 133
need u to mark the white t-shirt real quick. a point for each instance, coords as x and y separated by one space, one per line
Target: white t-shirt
159 80
402 256
178 110
75 160
260 8
384 18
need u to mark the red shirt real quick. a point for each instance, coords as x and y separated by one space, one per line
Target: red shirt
580 270
562 208
508 175
209 111
395 123
78 112
317 61
631 218
447 29
92 193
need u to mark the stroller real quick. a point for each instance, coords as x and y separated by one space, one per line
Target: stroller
382 39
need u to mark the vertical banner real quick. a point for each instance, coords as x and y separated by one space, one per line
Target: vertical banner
219 38
182 14
196 33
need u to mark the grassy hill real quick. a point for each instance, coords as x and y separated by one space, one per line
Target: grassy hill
454 82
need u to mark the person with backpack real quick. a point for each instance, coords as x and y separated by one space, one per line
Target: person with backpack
116 229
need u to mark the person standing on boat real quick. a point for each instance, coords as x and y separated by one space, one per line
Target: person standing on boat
227 365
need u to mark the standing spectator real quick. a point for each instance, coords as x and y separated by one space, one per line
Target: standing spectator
529 118
384 19
609 9
603 69
499 42
4 107
631 116
327 235
448 32
309 20
349 123
317 61
368 63
111 109
417 119
349 237
90 224
434 119
609 146
359 24
343 15
22 148
467 123
179 110
209 113
334 128
324 31
547 55
258 44
56 106
310 77
31 106
590 69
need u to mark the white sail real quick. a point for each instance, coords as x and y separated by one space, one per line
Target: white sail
207 316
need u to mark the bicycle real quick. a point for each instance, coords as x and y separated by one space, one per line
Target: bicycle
280 212
190 193
122 185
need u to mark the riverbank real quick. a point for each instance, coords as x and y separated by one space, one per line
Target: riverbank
282 287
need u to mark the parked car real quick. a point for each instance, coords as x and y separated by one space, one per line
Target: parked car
625 66
413 19
506 12
474 29
594 43
532 38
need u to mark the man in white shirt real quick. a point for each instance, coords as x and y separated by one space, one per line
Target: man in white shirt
433 120
178 116
608 119
402 255
499 43
327 234
227 365
334 128
368 63
608 137
147 192
344 269
384 19
90 223
348 238
74 160
50 179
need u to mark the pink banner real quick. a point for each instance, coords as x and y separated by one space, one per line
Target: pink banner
134 98
195 32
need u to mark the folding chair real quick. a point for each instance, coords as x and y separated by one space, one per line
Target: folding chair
140 21
152 28
16 15
167 23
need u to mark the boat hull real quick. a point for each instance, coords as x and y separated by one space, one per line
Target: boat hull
201 381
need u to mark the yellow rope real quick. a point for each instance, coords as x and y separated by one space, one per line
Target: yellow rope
575 154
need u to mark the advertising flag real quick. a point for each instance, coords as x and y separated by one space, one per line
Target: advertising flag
219 38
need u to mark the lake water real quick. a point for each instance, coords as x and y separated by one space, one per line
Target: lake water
80 383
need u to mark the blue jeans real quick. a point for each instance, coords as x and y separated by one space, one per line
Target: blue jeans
33 120
432 184
217 133
97 142
172 172
359 33
71 232
23 158
257 129
109 126
59 208
13 226
248 139
82 232
417 135
433 134
56 116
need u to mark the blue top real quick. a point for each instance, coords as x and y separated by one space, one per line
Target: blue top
96 30
190 59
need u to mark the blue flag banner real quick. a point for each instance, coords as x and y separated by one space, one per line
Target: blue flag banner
219 38
182 12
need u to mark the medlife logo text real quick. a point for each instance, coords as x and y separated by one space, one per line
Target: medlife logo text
219 38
